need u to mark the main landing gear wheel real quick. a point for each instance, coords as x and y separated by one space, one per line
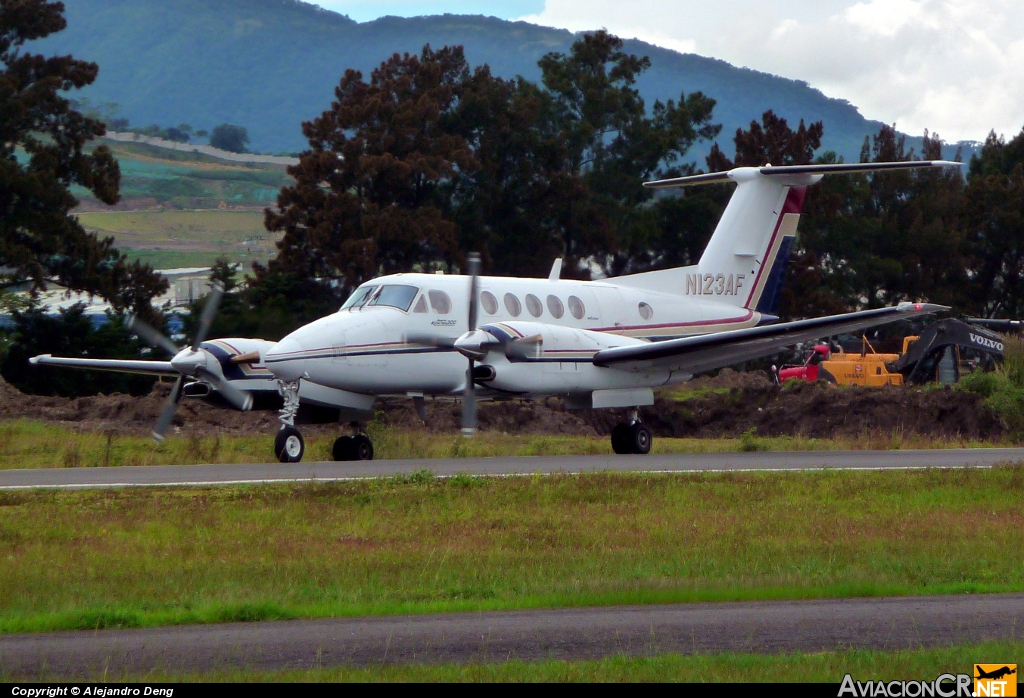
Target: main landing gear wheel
358 447
288 445
631 438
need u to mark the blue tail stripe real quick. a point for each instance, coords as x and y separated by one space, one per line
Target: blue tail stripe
772 292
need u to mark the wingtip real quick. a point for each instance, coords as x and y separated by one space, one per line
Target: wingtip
922 307
35 359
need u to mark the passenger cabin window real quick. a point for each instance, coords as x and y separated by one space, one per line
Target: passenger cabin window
395 296
512 305
358 297
421 305
533 305
646 311
489 302
555 307
576 307
440 302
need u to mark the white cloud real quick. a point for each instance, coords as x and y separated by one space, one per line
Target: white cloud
952 66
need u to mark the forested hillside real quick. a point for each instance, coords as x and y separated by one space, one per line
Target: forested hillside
270 64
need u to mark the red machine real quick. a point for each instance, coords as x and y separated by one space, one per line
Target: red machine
810 369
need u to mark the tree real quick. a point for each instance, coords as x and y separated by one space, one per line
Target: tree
369 194
230 137
770 142
39 239
71 333
613 145
993 223
891 236
507 207
182 133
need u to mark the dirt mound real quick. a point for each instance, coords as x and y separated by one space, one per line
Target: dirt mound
726 405
128 414
821 411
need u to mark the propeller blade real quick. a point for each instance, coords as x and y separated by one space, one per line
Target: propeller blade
469 402
151 336
240 399
209 311
473 266
169 409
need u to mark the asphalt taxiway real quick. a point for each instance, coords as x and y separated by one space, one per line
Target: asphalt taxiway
572 633
261 473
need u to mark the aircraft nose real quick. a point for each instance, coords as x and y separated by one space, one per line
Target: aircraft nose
286 360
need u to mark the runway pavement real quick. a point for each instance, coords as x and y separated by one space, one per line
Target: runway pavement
575 633
255 473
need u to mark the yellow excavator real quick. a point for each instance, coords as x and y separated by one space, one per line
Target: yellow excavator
934 356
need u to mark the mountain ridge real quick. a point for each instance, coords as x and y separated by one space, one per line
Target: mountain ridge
271 64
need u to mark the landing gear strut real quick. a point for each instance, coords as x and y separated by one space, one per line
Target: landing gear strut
632 437
288 444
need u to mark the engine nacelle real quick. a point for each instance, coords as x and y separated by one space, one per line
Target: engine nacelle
533 357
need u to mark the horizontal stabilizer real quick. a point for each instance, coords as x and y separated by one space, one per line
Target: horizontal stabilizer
746 173
707 352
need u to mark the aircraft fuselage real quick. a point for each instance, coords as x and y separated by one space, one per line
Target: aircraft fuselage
366 348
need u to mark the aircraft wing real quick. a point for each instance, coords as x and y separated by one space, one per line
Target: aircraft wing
707 352
154 368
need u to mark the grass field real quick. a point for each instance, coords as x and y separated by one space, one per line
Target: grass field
189 180
171 239
822 667
178 259
32 444
178 235
136 557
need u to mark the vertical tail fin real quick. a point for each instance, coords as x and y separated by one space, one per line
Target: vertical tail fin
745 260
750 246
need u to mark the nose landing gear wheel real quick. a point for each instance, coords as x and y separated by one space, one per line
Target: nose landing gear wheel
631 438
288 445
358 447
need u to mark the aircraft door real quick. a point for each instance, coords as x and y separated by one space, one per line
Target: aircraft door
591 307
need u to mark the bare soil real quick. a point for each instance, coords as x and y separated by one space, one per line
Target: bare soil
726 405
822 411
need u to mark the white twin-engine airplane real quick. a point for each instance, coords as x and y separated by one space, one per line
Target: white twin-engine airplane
596 344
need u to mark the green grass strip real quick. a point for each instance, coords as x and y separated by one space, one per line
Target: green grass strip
416 544
34 444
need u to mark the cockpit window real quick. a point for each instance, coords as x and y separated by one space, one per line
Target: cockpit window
395 296
358 297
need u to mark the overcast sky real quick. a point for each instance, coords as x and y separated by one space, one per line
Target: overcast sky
955 67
